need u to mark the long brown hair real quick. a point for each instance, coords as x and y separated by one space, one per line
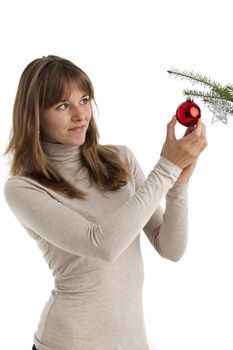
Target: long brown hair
42 84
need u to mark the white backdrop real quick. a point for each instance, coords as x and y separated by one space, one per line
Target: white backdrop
126 46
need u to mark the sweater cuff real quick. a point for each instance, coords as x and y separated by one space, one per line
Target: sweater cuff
170 168
179 189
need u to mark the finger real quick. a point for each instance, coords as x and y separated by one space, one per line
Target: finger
189 130
171 129
203 130
202 144
198 128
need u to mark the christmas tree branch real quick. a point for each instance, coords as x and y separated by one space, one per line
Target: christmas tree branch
201 94
193 77
225 93
230 88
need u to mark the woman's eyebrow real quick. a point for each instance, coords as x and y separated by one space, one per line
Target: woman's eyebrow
66 100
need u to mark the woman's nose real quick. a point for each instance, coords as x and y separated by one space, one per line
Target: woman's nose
77 114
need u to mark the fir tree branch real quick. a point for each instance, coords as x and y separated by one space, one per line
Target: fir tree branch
201 94
221 94
194 78
230 88
224 93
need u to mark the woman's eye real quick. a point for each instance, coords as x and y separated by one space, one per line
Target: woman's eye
63 106
84 101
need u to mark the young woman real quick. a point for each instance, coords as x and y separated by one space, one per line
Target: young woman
85 205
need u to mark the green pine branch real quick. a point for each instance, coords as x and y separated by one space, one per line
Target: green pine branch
200 94
230 88
194 78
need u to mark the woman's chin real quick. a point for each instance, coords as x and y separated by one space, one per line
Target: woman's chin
76 143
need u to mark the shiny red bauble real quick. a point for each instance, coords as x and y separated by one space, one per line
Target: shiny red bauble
188 113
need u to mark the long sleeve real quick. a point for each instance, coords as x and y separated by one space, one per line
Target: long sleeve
166 230
38 210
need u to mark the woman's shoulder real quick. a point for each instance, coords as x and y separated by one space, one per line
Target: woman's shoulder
20 179
19 190
124 151
17 183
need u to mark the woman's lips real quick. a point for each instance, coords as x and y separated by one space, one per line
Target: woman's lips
78 128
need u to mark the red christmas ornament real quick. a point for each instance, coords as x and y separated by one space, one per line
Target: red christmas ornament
188 113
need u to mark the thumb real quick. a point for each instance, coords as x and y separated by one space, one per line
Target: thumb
171 129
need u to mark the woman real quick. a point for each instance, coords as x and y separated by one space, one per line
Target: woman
85 205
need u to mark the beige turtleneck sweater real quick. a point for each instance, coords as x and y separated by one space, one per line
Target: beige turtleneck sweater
93 248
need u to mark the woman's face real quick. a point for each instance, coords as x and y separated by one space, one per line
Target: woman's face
67 121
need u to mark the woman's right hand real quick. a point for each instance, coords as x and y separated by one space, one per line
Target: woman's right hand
186 150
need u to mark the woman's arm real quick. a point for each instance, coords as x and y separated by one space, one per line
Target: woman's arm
37 209
167 231
170 240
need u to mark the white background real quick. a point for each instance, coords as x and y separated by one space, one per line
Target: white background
126 47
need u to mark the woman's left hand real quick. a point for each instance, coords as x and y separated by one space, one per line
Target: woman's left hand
187 172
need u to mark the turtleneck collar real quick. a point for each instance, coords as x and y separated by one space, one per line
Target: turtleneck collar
63 156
